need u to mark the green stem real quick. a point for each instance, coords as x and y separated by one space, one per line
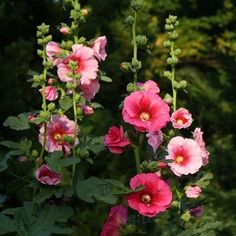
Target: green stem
135 48
174 91
137 158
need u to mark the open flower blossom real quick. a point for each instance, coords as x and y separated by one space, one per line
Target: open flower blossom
58 128
155 197
51 93
46 176
181 118
186 156
87 65
149 85
87 110
53 50
193 192
115 140
99 48
146 111
116 218
155 139
90 90
198 137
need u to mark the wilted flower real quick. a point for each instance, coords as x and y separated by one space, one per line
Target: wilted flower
99 48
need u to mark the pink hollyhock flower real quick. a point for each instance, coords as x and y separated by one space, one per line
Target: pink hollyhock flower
198 137
181 118
90 90
57 129
149 86
155 197
53 50
87 110
146 111
99 48
116 218
115 140
162 165
46 176
193 192
197 211
51 93
51 81
186 156
65 30
87 64
155 139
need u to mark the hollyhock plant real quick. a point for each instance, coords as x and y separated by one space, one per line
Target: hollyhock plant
51 93
53 50
99 48
186 156
155 139
116 218
198 137
146 111
46 176
181 118
90 90
149 85
87 65
57 129
115 140
155 197
193 192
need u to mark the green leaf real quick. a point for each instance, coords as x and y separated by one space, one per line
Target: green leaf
6 225
205 180
97 144
66 103
96 105
10 144
44 193
3 162
19 122
105 79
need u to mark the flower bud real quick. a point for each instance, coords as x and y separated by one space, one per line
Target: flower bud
177 52
167 74
136 4
141 40
167 44
136 64
51 106
186 216
169 27
34 153
174 35
125 66
171 133
65 30
182 84
130 87
129 20
168 98
85 11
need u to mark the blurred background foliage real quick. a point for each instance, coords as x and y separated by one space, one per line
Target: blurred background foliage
208 62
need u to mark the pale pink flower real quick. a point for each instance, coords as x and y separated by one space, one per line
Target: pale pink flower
116 218
146 111
51 93
155 139
90 90
46 176
181 118
57 129
198 137
65 30
149 85
197 211
99 48
87 65
53 50
115 140
155 197
186 156
87 110
193 192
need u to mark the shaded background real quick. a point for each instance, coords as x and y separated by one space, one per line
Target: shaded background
208 62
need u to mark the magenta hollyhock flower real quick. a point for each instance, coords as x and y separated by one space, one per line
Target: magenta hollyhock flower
51 93
198 137
116 218
90 90
87 64
181 118
99 48
87 110
46 176
155 197
57 129
197 211
155 139
149 85
65 30
186 156
146 111
53 50
193 192
115 140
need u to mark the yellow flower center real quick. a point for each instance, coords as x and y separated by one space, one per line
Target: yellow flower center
144 116
58 137
146 199
179 122
179 159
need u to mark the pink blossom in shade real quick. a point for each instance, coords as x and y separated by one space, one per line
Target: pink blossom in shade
22 158
58 128
193 192
116 218
146 111
87 110
149 86
186 156
51 81
162 165
46 176
181 118
87 65
198 137
197 211
51 93
31 117
155 197
65 30
155 139
115 140
90 90
53 50
99 48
